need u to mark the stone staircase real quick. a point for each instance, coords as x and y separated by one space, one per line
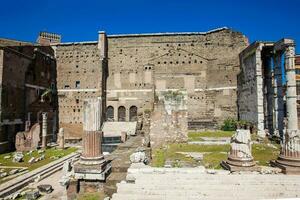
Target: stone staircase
146 183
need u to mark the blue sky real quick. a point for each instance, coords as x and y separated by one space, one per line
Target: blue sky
80 20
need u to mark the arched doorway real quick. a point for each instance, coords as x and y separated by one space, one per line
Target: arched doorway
133 113
110 114
121 114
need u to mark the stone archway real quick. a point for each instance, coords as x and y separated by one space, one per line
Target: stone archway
110 114
133 113
121 114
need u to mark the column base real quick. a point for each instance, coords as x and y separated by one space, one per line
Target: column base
288 165
92 169
236 164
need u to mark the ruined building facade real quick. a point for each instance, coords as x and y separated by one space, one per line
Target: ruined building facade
28 88
201 65
267 93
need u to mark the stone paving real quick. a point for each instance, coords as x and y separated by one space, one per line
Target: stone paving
198 183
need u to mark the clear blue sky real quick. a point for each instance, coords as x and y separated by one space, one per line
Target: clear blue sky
79 20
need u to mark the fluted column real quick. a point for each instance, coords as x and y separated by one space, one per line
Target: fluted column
92 135
291 92
289 158
44 129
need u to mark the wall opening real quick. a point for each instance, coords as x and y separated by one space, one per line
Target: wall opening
110 114
121 114
133 113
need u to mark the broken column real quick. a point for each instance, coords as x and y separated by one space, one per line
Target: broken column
289 158
61 138
240 157
44 129
92 169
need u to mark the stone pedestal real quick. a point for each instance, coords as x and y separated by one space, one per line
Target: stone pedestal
44 129
240 157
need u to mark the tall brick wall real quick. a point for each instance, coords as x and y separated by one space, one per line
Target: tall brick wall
140 65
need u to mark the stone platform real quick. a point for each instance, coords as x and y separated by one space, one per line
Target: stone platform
147 183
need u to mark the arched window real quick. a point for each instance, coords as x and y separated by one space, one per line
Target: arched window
133 113
121 114
110 114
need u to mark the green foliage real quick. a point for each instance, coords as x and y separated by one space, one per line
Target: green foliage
229 124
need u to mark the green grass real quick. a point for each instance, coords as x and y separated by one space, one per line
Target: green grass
196 136
213 154
51 152
263 153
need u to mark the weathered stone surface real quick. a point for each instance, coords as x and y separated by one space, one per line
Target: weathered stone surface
28 140
138 157
32 195
45 188
240 157
18 157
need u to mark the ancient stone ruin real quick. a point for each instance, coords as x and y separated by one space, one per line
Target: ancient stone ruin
240 156
28 140
268 102
91 171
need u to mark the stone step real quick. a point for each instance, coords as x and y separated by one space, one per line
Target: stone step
213 179
248 196
196 188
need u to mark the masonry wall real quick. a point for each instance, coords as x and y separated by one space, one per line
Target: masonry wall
247 87
79 77
204 65
27 73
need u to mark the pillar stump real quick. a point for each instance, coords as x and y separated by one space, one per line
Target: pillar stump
240 157
92 169
61 138
289 159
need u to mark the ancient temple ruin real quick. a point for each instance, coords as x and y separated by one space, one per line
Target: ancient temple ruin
267 96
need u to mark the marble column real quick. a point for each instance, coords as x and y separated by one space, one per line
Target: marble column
289 158
92 165
44 129
291 92
278 96
91 129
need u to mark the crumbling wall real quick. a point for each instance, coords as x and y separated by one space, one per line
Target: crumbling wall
27 74
169 119
247 90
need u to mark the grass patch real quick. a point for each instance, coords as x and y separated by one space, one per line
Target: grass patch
170 152
196 136
263 153
51 152
213 154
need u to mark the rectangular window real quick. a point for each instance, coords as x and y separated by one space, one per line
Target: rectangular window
77 84
67 86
